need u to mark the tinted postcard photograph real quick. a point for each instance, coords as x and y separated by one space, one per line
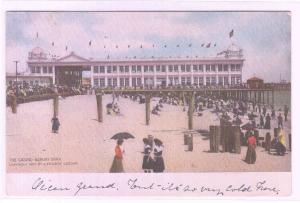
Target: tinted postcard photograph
148 103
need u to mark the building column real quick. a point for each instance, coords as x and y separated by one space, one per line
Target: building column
53 75
92 76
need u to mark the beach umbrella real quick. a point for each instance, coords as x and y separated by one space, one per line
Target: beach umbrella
122 135
247 126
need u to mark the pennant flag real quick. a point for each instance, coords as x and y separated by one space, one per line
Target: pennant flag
66 48
37 35
165 46
190 45
134 57
128 46
231 33
208 45
90 42
52 43
177 45
141 46
152 57
105 37
153 45
202 45
107 56
104 47
215 44
196 56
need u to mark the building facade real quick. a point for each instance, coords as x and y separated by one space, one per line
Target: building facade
224 69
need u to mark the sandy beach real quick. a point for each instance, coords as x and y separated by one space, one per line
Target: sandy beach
84 145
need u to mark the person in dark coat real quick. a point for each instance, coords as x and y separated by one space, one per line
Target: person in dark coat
147 159
55 124
286 111
117 165
261 123
264 110
251 153
158 165
280 121
268 122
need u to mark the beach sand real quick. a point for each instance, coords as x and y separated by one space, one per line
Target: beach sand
84 145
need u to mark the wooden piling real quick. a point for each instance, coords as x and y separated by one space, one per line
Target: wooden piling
191 111
236 139
14 104
55 106
268 142
99 107
147 103
214 133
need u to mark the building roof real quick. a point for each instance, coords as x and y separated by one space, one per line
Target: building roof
255 79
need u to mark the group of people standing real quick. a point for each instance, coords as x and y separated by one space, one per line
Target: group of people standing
152 161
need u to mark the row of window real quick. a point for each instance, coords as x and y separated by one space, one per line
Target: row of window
137 81
41 69
170 68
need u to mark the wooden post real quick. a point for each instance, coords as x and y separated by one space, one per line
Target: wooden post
14 104
268 142
214 132
273 97
99 107
237 139
147 103
191 111
55 106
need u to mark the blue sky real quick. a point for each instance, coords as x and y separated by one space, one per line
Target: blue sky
263 36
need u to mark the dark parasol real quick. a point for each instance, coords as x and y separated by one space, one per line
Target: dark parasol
122 135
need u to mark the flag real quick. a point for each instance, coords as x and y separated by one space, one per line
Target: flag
190 45
104 47
165 46
52 43
141 46
37 35
90 42
153 45
117 46
215 44
134 57
105 37
128 46
223 52
66 48
107 56
202 45
208 45
177 45
231 33
152 56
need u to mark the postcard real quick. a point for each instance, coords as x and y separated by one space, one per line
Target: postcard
152 103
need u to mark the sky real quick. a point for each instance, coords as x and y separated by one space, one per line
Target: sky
265 37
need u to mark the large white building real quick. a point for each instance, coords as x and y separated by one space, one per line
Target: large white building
224 69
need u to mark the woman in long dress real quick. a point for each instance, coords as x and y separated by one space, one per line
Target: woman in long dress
159 165
251 153
147 159
117 165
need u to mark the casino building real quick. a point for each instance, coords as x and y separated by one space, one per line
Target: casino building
224 69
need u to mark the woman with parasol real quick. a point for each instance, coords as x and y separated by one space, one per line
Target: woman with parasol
147 159
251 153
158 165
117 165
